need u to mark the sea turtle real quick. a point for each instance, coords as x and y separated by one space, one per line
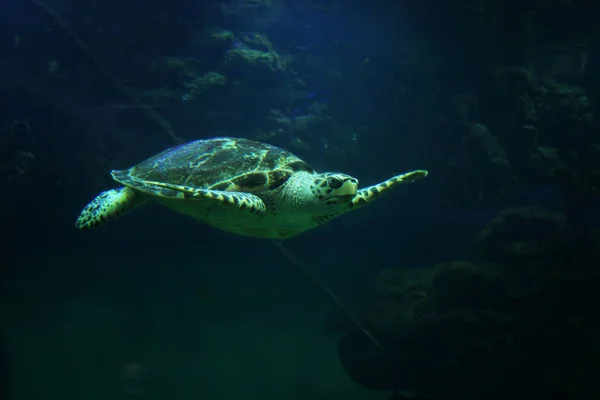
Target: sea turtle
238 185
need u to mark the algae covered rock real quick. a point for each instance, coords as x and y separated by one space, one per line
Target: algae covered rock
465 284
520 233
392 301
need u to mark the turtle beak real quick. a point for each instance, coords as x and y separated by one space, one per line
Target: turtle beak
348 189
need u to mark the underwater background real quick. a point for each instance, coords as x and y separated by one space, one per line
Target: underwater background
480 281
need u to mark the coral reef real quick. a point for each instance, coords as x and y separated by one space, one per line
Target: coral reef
479 317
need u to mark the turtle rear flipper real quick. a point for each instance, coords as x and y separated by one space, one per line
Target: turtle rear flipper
368 194
245 202
107 206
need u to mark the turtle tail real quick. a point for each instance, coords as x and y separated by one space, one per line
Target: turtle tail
107 206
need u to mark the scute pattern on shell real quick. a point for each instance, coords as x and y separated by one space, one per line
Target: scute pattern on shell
229 164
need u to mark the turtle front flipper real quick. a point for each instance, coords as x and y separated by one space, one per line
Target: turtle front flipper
238 200
368 194
107 206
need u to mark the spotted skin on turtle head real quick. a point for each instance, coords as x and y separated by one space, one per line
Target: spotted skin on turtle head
243 201
368 194
107 206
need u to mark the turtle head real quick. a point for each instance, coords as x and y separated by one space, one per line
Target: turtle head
333 190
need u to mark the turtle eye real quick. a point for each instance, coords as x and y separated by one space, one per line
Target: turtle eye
334 183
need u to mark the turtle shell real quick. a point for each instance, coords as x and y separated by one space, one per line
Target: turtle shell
228 164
